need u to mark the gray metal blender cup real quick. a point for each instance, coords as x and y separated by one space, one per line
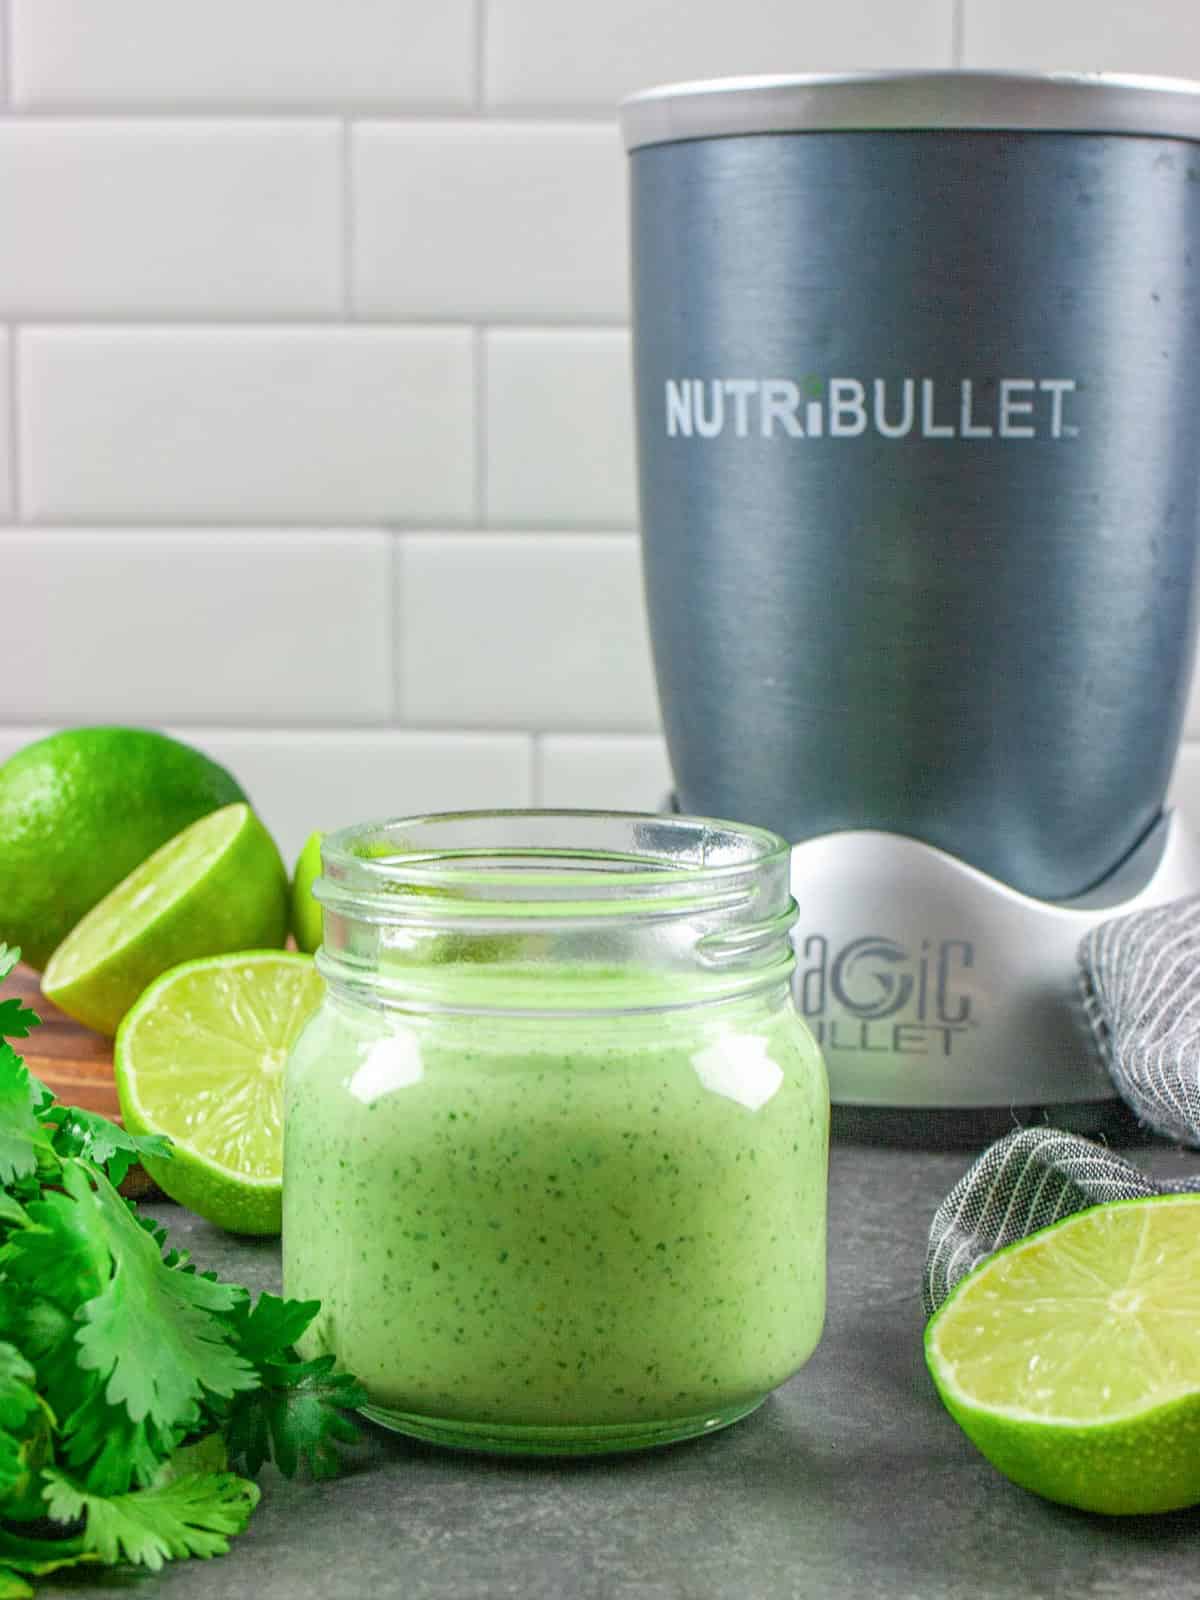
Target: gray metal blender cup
918 408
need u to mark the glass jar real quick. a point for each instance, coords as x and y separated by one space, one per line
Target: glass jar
556 1142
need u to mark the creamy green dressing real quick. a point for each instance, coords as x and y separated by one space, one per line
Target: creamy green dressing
576 1221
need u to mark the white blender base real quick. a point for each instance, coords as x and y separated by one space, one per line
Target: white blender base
929 984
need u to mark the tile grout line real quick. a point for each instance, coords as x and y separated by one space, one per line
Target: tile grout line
480 55
321 321
245 111
278 727
6 38
137 522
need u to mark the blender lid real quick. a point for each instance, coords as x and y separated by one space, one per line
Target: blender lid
1050 102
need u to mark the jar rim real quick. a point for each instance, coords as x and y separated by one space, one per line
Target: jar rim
476 910
527 856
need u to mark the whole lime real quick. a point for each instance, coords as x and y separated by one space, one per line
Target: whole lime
306 912
79 810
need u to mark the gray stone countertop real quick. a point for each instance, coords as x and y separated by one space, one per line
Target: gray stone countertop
850 1482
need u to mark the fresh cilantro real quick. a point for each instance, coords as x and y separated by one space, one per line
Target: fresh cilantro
86 1133
269 1330
166 1377
18 1395
129 1381
26 1422
15 1019
297 1415
191 1516
23 1140
296 1418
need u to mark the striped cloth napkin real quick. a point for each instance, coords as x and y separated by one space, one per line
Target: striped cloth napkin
1140 978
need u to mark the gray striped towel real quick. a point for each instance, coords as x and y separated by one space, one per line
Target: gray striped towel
1140 977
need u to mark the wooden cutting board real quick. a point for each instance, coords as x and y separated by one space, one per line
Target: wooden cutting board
69 1058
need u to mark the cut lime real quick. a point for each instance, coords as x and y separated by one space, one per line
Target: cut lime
1072 1359
200 1058
219 885
306 912
81 809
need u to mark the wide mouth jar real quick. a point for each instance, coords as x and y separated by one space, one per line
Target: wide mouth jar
554 911
555 1145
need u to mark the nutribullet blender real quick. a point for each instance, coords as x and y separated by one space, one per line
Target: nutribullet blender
918 409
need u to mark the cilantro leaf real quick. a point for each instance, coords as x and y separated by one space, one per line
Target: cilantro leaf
203 1455
191 1516
296 1419
26 1429
86 1133
15 1019
165 1377
98 1440
113 1452
62 1255
23 1140
297 1415
18 1395
269 1330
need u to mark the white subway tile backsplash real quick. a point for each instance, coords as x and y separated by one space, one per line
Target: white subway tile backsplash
243 52
302 781
532 631
1162 36
170 218
219 625
602 771
7 402
545 53
489 219
16 737
188 188
1191 724
220 424
559 428
1184 792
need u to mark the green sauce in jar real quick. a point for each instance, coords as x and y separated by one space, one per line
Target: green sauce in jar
589 1217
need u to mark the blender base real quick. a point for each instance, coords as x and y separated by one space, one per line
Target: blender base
947 1003
958 1128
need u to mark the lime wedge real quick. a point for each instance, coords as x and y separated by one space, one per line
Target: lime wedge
1072 1359
200 1058
306 912
219 885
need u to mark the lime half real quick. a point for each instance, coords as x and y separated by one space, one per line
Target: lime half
219 885
1072 1359
200 1058
81 809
